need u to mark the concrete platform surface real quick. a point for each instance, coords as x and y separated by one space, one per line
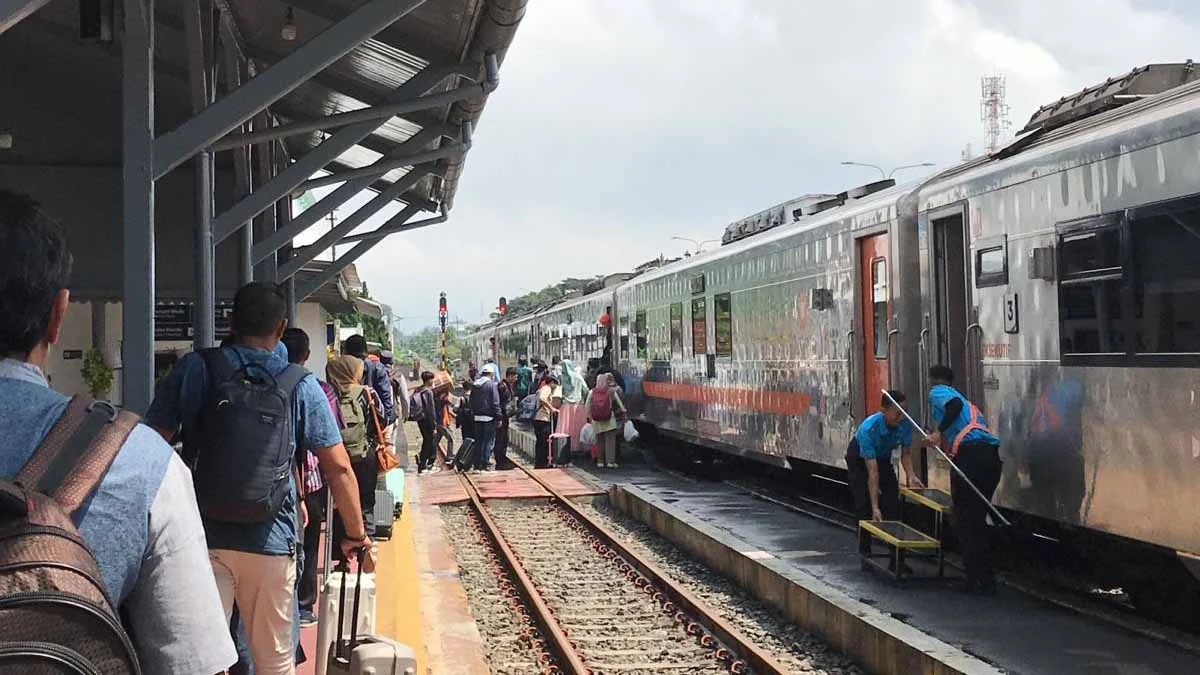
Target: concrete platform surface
1012 631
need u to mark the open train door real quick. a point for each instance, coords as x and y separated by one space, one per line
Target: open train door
873 285
952 329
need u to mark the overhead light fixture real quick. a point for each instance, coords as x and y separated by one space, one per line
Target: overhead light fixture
288 30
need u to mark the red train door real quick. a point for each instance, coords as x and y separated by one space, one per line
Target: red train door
873 270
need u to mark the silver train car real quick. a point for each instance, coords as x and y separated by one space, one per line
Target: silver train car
1058 277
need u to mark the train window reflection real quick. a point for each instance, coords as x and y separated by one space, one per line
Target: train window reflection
991 267
879 293
1091 318
1092 252
723 314
1166 256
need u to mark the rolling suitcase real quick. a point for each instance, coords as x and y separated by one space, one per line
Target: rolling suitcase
394 482
385 513
364 654
465 458
332 586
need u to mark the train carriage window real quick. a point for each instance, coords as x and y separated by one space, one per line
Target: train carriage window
879 302
699 326
991 263
677 329
1090 293
1166 286
639 330
723 315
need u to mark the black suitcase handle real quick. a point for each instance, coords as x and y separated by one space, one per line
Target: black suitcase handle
343 647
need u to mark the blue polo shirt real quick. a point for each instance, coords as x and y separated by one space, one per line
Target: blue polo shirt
876 440
939 396
177 401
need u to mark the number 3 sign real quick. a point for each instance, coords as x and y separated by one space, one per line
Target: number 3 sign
1010 313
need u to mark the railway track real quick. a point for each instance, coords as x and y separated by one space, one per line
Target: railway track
597 606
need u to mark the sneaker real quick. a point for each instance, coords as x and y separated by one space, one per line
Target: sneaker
307 618
602 465
614 465
436 469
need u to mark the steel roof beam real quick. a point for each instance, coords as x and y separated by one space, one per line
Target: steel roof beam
393 35
374 113
385 230
309 217
383 166
316 159
395 224
176 146
302 256
12 11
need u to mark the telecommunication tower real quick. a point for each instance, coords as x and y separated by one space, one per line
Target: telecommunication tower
993 110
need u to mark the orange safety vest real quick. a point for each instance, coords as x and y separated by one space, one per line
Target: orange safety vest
975 421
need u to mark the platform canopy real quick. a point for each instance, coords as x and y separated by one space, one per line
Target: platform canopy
171 136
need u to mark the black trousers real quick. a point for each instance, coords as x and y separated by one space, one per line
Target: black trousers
981 463
366 471
500 451
541 454
889 486
428 452
307 585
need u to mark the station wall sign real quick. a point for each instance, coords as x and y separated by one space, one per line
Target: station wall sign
173 321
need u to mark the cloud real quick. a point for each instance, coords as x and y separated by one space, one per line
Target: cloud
620 123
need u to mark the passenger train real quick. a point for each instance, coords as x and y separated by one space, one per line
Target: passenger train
1059 277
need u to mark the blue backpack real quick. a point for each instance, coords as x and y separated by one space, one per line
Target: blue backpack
529 406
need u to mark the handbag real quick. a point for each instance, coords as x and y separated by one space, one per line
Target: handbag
384 455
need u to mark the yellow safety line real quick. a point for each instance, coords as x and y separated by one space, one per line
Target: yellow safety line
399 601
920 540
924 501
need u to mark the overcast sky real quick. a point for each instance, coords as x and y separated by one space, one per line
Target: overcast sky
621 123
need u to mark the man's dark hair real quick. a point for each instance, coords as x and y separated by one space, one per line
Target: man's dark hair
556 360
896 395
522 361
510 371
940 373
258 308
427 376
296 341
35 265
355 345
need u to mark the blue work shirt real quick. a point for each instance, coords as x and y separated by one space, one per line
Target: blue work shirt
876 440
939 396
178 398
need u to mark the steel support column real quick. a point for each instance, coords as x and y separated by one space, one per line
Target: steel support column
335 268
242 174
289 284
173 148
264 171
137 195
12 11
317 158
301 256
198 29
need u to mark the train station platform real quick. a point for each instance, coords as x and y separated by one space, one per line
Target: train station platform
805 568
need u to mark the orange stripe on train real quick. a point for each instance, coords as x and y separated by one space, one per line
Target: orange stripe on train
775 402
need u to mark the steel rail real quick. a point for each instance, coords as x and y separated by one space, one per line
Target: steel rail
760 662
559 645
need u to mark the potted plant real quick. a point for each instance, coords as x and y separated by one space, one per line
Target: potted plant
97 374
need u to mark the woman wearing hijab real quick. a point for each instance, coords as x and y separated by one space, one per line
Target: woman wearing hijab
345 374
608 428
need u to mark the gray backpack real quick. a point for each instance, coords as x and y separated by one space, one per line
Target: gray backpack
244 440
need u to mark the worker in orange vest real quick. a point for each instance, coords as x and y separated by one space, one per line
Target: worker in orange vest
976 451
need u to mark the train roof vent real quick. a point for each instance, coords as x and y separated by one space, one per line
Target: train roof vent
870 188
1138 84
759 222
814 208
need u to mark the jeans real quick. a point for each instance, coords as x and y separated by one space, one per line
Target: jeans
485 438
428 454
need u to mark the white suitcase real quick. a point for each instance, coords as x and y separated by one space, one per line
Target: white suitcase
328 613
362 654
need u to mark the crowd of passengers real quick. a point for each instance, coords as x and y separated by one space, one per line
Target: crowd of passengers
206 580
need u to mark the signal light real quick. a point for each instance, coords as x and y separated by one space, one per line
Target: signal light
503 306
442 305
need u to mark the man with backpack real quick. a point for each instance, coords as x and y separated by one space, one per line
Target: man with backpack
422 409
243 411
485 407
375 376
126 494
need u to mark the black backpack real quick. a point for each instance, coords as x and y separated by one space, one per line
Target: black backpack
244 440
